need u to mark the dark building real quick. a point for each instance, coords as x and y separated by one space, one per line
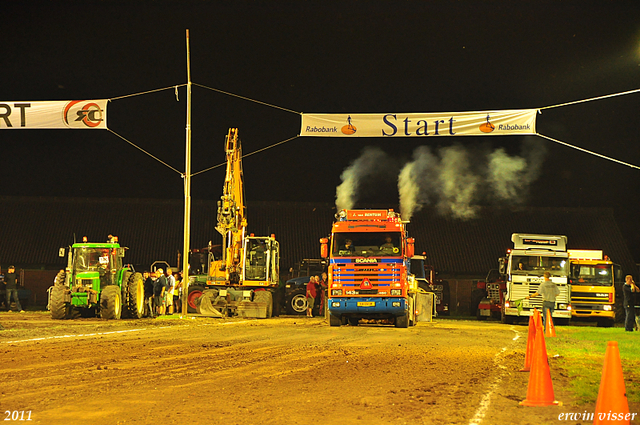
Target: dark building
32 229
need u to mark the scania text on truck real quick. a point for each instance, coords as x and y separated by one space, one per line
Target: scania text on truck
369 270
524 268
592 286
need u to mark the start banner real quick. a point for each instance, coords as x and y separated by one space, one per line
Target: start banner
54 114
479 123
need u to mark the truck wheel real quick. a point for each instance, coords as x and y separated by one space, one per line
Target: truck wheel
334 320
605 323
135 296
57 304
110 302
402 321
297 303
353 321
195 292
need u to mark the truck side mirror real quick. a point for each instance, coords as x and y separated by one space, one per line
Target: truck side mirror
120 252
61 252
502 267
324 248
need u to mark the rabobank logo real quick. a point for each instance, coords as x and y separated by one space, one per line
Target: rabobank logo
349 129
487 127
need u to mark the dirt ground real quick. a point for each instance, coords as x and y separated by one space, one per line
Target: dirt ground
276 371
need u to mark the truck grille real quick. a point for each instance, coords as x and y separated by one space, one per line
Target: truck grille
381 278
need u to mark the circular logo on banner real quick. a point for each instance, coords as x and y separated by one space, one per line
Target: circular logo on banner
487 127
348 129
82 114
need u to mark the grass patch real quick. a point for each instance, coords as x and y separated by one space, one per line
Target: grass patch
582 352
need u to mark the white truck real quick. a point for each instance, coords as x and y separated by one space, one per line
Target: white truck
523 269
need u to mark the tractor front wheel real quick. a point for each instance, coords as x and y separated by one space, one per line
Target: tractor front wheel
57 305
111 302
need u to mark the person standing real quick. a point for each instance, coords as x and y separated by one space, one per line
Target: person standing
171 284
311 295
11 287
148 294
323 285
628 289
549 291
159 288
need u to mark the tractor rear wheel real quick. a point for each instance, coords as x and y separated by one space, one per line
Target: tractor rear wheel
56 304
60 278
111 302
135 296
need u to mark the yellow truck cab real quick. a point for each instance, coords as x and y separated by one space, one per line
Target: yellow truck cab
592 281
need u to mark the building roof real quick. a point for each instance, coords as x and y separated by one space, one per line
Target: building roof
32 229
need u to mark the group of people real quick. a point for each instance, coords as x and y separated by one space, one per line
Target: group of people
316 292
162 292
10 282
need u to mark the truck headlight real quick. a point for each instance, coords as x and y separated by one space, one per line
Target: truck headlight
562 306
606 307
396 292
336 292
395 304
335 304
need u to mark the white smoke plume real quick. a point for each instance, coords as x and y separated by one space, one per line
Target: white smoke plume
366 165
458 179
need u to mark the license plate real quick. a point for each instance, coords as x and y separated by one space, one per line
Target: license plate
366 304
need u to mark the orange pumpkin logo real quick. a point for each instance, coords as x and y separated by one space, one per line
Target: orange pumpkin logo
349 129
487 127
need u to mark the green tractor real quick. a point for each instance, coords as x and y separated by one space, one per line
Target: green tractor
96 282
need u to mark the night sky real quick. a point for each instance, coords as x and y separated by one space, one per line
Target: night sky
324 57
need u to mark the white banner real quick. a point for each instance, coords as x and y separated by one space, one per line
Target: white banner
479 123
54 114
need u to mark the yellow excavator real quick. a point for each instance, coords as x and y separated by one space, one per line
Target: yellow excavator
243 282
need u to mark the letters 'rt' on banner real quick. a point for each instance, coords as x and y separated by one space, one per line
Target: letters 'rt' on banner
479 123
82 114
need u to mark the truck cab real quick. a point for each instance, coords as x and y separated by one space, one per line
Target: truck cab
524 268
592 281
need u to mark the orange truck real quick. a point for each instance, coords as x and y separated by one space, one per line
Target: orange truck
369 255
593 293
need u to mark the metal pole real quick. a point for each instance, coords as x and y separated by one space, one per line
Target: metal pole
187 194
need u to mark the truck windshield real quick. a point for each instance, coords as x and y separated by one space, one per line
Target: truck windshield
369 244
596 275
91 259
536 265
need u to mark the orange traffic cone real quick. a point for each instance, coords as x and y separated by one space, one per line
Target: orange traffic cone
540 388
530 338
538 319
551 330
612 395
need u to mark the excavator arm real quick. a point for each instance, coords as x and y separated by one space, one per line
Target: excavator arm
232 220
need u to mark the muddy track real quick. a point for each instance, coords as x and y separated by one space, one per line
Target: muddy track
276 371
